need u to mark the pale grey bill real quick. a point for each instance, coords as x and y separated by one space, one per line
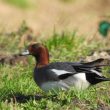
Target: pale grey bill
25 52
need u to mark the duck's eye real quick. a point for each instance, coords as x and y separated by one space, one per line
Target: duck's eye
33 46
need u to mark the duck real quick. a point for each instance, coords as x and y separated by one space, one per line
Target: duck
63 75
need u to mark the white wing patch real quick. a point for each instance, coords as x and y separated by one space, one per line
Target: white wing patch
98 73
60 72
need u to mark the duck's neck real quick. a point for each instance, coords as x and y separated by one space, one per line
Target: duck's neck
42 58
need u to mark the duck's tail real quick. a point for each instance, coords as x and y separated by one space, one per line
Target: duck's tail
103 78
98 63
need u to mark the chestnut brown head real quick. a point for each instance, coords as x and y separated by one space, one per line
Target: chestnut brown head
39 51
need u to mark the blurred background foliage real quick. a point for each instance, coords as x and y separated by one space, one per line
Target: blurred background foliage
19 3
65 15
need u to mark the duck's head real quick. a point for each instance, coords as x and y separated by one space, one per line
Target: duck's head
39 51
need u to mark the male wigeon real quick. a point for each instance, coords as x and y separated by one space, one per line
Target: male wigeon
63 75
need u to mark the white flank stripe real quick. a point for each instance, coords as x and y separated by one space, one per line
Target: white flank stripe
80 81
60 72
80 76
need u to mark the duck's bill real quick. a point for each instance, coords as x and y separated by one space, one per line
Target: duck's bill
25 53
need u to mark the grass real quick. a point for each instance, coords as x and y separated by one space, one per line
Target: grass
68 1
19 3
18 89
